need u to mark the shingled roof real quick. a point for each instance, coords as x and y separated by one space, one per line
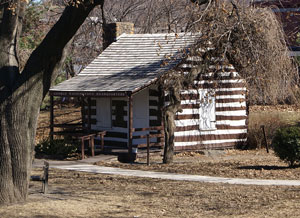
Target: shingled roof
131 63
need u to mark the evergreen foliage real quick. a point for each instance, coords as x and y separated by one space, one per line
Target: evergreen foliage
286 143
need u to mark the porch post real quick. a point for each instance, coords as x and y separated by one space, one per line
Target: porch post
130 113
51 117
89 114
82 112
161 99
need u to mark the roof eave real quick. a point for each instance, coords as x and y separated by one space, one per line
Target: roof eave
89 93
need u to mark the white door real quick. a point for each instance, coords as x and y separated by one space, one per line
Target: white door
104 112
207 110
141 114
141 109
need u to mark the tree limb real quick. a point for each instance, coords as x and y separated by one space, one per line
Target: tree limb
47 56
200 2
10 30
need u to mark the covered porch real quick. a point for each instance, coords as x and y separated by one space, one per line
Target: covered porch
123 122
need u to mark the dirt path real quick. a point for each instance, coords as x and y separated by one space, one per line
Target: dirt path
250 164
212 159
171 176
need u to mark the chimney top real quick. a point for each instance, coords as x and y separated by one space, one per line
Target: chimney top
112 31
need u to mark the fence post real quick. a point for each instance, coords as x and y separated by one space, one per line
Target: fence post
92 145
264 132
45 177
148 150
102 142
82 148
51 117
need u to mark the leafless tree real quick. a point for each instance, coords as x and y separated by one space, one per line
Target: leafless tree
22 91
250 39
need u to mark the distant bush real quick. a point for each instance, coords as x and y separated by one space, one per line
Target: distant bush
286 143
58 148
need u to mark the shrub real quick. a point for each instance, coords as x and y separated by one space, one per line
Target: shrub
286 143
58 148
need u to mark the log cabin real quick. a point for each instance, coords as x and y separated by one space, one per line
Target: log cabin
121 95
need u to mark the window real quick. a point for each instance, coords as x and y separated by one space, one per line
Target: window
104 112
118 112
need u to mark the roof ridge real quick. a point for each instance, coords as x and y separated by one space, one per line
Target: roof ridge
161 34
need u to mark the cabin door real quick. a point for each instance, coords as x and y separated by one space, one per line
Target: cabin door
207 110
141 113
104 112
141 110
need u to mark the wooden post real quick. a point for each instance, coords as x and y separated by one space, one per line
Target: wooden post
82 148
92 145
148 150
51 117
161 99
89 115
102 142
82 112
45 178
266 143
130 122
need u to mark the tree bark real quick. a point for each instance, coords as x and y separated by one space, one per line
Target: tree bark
22 93
177 83
169 123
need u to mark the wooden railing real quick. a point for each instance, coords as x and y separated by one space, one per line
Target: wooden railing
160 139
90 138
159 136
69 129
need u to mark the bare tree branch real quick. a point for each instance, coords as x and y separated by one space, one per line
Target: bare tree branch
58 37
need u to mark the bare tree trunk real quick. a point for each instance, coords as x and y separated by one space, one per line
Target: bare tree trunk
22 93
177 83
169 123
13 173
18 115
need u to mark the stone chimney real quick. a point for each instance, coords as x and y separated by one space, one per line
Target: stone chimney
112 31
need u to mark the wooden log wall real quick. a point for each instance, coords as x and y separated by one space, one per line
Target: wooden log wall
154 119
155 112
117 135
230 111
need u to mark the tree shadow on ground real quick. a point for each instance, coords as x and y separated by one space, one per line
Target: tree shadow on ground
44 216
266 167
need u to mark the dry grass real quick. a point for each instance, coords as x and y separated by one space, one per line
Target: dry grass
272 117
76 194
